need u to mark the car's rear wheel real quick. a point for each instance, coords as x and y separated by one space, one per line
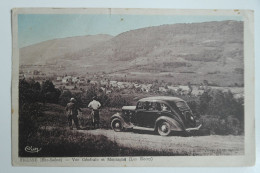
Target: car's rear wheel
116 125
164 128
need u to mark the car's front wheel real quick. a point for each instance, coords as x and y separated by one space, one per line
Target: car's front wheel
164 128
116 125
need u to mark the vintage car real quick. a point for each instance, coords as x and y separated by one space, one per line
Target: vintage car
161 114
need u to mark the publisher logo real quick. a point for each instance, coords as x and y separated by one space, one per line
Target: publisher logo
31 149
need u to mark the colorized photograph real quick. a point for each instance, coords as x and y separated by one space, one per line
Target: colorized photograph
128 85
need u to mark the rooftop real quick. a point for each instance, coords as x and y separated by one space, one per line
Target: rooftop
163 98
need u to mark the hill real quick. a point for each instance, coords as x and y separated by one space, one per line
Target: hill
178 53
52 51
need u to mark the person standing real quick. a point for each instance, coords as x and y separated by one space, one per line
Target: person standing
190 89
72 112
95 105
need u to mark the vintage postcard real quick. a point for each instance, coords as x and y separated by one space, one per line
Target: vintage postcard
132 87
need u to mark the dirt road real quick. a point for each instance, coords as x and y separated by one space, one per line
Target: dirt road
175 145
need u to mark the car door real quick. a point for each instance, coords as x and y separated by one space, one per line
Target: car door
151 115
137 118
147 116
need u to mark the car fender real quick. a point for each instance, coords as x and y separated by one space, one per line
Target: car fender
175 126
119 116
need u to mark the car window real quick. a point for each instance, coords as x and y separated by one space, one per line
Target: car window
141 105
164 107
182 105
153 106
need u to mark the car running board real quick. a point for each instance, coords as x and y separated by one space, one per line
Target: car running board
195 128
142 128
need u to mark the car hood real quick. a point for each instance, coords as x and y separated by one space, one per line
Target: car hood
131 108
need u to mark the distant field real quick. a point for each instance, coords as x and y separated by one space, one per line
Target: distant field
180 78
175 77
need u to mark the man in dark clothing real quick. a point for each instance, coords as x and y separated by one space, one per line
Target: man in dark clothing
72 112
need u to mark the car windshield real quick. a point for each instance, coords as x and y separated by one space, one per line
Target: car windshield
182 105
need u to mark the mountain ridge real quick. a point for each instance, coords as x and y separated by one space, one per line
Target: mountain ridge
196 50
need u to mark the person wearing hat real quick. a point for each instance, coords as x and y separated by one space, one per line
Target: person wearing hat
95 105
72 112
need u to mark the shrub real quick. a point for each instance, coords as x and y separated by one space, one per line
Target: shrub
118 100
29 92
49 93
224 104
222 126
204 100
226 112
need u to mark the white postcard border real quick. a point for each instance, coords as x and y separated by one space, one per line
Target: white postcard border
248 159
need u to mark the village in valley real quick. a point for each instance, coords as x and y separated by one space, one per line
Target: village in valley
107 84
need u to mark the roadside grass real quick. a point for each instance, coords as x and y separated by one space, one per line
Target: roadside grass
61 142
58 142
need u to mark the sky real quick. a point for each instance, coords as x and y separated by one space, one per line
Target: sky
36 28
